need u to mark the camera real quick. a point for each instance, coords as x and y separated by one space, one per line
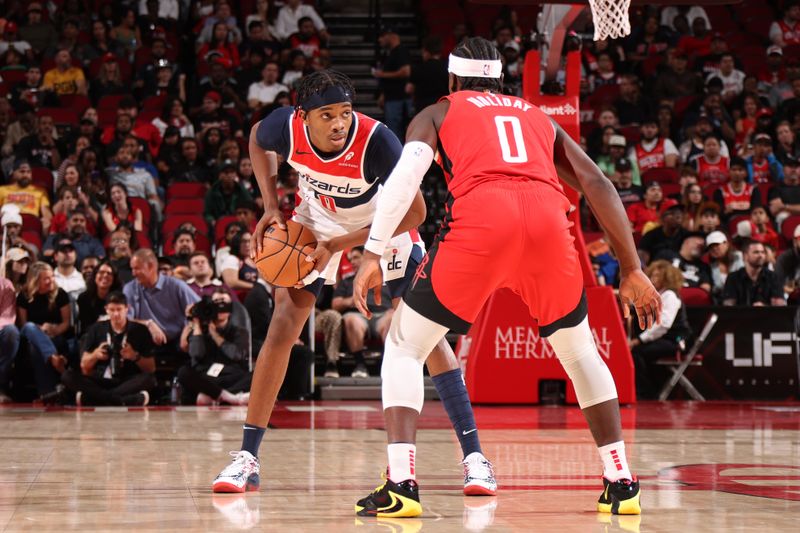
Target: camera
207 310
112 352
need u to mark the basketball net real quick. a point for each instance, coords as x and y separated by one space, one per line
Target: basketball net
610 18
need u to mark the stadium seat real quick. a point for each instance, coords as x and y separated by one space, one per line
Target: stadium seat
186 190
669 189
187 206
32 237
42 177
61 116
144 205
76 102
13 77
695 297
110 101
661 175
173 222
787 228
154 103
31 223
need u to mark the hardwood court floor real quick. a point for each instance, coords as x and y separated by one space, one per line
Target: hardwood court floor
703 467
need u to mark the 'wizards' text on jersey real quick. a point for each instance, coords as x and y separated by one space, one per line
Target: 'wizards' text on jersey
341 187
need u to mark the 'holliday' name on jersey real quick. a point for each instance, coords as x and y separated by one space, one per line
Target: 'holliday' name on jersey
498 101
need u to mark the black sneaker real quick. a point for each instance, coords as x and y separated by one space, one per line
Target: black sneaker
60 396
360 371
620 497
392 500
331 370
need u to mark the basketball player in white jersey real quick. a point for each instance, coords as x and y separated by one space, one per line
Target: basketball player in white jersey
343 158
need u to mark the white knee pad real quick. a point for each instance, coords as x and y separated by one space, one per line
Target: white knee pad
588 372
411 338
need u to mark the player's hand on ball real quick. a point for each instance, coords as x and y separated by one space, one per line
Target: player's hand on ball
369 276
637 290
270 217
321 256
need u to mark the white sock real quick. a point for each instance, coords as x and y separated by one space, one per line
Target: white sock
401 461
615 465
228 397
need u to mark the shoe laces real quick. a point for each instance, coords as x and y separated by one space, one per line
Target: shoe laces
478 467
240 460
384 477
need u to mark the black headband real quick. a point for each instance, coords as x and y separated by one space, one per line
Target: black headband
335 94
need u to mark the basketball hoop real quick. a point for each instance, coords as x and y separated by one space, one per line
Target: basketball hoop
610 18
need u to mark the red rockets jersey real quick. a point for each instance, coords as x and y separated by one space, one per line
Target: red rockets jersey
487 137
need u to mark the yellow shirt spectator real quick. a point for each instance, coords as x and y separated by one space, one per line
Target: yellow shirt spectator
64 82
30 199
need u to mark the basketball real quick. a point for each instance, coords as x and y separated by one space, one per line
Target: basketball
282 261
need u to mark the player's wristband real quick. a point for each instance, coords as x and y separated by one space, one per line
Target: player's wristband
398 193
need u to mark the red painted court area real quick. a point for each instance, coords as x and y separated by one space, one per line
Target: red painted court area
645 415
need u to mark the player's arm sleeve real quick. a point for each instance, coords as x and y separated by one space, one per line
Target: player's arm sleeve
273 132
383 153
398 193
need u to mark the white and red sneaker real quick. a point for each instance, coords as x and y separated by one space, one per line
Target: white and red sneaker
478 476
239 476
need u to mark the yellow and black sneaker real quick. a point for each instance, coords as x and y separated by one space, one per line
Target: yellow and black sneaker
392 500
620 497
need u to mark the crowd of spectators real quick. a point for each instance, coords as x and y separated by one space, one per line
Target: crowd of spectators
128 196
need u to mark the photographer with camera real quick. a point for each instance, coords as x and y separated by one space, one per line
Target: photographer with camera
117 363
218 348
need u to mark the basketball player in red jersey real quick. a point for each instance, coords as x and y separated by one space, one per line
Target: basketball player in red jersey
343 158
506 226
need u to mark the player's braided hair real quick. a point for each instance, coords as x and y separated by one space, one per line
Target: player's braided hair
479 48
318 81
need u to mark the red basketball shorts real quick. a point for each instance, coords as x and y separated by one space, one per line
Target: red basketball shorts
504 234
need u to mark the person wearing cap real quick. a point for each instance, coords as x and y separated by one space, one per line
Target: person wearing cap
84 244
737 197
696 273
30 199
652 151
39 33
784 198
64 79
755 284
67 276
692 148
762 165
787 267
393 74
664 241
677 81
645 214
264 92
11 224
291 13
608 163
225 193
786 30
723 259
10 39
623 182
213 115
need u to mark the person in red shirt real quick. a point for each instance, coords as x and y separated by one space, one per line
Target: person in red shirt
142 129
699 43
712 168
648 210
221 43
492 176
737 197
653 151
786 31
306 39
759 228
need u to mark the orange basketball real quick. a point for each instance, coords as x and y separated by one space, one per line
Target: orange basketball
282 261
